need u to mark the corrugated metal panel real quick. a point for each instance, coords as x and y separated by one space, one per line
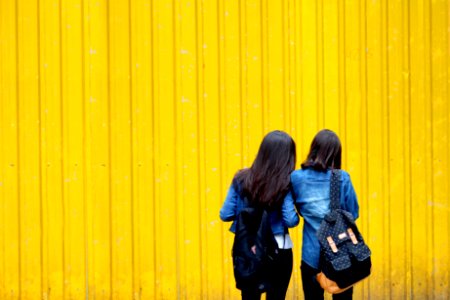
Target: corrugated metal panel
123 122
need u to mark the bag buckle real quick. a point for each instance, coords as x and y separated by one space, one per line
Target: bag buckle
332 244
352 236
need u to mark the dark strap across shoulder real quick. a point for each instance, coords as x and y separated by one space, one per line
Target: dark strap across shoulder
335 189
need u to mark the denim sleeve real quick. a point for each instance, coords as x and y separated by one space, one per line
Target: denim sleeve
294 192
228 211
288 211
350 199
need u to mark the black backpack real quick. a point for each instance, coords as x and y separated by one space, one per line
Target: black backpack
252 270
344 257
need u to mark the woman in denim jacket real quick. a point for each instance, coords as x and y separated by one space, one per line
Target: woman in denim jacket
311 189
266 184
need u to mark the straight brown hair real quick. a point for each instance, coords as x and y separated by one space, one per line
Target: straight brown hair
325 152
267 181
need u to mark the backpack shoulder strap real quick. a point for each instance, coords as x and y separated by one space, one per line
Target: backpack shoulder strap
335 189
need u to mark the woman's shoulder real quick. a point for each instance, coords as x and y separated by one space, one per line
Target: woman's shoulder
300 172
305 175
238 181
297 174
238 177
307 172
345 176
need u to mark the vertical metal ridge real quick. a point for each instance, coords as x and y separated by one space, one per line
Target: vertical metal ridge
264 63
385 146
132 158
110 159
342 72
298 72
289 65
18 126
221 108
428 91
39 154
284 58
319 64
408 163
448 133
200 110
176 62
61 120
365 139
430 75
153 131
242 80
84 155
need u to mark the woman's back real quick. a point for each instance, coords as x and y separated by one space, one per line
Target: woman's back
312 193
265 185
284 216
311 189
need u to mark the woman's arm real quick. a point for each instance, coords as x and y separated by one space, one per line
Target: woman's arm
350 199
288 211
228 211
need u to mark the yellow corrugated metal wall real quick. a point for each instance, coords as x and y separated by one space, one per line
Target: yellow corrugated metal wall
123 122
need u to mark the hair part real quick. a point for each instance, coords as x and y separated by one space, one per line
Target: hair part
325 152
267 181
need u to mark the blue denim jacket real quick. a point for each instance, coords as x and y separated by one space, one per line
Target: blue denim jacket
312 197
280 219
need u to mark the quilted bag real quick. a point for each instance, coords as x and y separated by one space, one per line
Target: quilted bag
344 257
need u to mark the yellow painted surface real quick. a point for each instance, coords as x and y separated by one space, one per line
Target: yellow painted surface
123 122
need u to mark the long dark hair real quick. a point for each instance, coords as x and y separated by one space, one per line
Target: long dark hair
325 152
266 182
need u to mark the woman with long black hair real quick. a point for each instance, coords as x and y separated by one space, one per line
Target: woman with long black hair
311 189
266 184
